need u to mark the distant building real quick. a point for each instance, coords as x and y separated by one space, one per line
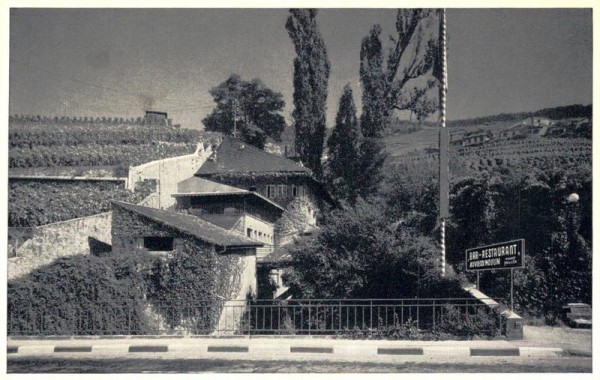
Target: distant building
523 131
472 138
557 130
156 118
537 121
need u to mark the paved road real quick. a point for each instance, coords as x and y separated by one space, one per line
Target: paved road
514 365
541 350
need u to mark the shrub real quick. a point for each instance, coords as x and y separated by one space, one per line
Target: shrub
454 322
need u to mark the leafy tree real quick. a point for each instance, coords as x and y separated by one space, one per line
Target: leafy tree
256 109
401 82
343 162
361 254
311 75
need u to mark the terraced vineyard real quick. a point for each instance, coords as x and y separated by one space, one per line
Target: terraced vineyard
54 145
54 149
37 203
538 153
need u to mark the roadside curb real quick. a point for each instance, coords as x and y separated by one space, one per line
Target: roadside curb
295 350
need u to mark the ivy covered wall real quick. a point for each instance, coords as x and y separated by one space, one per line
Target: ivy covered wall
193 273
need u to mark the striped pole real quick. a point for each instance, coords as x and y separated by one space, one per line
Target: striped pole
443 148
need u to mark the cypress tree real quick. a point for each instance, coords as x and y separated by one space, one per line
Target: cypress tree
343 161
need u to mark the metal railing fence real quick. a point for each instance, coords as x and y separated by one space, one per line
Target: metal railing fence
254 317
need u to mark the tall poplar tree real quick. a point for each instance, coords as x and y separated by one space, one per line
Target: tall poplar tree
311 75
343 170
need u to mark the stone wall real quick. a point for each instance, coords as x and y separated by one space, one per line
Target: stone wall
51 241
168 172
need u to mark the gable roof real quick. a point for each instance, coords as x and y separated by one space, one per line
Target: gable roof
227 221
236 156
192 225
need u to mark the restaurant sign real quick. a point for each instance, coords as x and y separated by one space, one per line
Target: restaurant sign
505 255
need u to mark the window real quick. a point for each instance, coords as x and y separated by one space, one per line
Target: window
249 232
157 243
271 191
294 191
282 191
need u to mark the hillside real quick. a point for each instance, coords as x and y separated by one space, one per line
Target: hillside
48 144
555 113
45 147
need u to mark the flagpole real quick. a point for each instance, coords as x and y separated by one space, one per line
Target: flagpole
443 148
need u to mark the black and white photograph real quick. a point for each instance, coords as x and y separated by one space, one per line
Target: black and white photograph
340 190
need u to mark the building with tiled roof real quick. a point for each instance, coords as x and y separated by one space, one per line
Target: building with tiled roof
523 131
281 180
470 138
237 157
228 259
143 226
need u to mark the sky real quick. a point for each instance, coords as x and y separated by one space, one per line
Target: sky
119 62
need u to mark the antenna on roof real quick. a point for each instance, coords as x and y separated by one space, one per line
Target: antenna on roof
235 109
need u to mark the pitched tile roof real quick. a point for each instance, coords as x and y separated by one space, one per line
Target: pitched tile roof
227 221
201 185
235 156
192 225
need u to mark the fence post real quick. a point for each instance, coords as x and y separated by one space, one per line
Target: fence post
418 307
309 316
340 314
371 315
433 310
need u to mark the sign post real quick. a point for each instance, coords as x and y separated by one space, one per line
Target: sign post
511 289
499 256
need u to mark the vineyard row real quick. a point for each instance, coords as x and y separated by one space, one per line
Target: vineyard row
38 203
95 154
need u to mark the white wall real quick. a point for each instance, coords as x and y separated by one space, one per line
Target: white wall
168 172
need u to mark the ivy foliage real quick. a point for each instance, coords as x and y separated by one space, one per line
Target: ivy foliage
91 295
88 295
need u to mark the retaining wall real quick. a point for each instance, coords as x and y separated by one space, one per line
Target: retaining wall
70 237
62 239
